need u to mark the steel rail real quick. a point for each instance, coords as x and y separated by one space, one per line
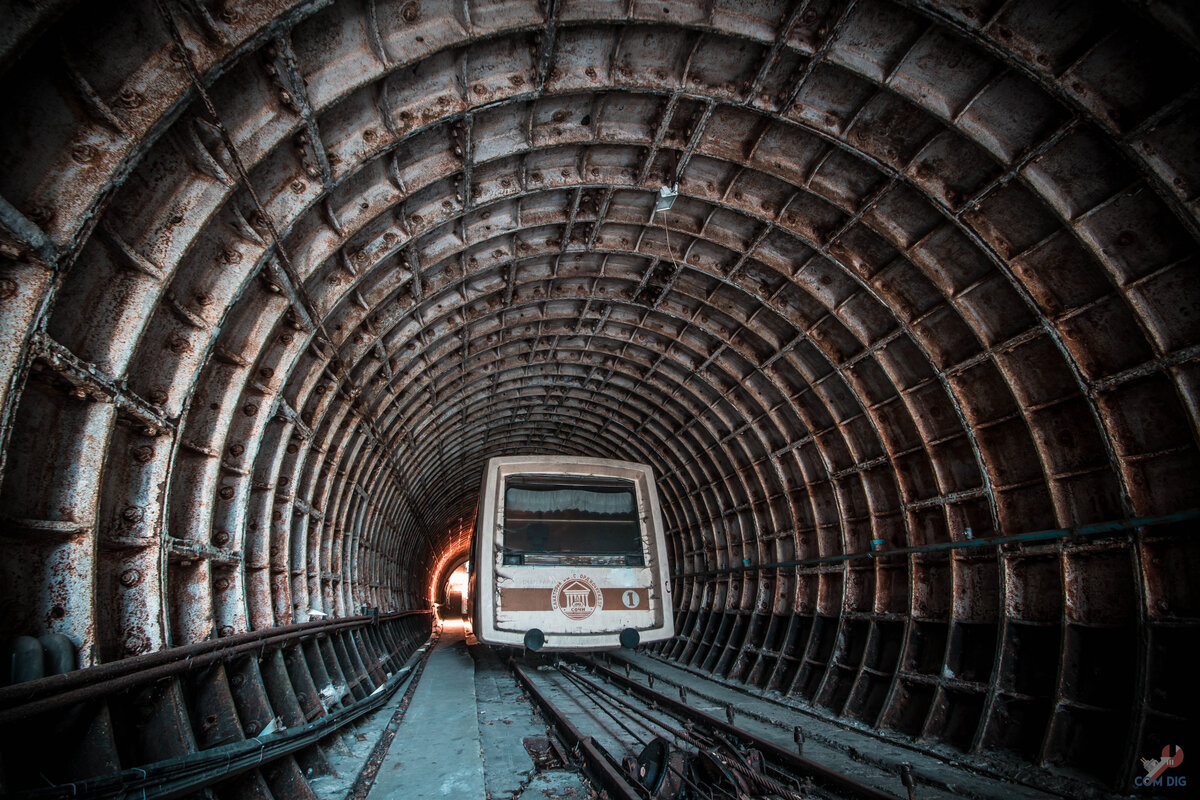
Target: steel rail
597 759
600 698
24 700
596 693
827 777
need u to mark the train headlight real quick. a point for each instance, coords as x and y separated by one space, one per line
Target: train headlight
534 639
630 638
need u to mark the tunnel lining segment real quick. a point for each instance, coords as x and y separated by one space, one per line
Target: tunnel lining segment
917 284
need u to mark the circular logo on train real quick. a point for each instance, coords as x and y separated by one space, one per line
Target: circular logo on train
578 597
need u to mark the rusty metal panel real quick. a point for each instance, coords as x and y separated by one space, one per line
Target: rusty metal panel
270 302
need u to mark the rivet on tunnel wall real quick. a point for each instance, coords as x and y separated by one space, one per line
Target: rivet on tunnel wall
132 514
131 578
143 454
226 492
221 538
136 643
8 288
41 215
178 344
130 98
83 153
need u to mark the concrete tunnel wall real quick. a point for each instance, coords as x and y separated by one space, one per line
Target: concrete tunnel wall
931 280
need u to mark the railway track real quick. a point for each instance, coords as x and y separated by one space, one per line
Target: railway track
638 742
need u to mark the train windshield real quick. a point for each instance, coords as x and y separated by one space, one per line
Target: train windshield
551 521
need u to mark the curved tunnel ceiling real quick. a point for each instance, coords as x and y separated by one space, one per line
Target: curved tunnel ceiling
279 277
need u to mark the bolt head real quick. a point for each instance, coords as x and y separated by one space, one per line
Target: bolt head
83 153
137 643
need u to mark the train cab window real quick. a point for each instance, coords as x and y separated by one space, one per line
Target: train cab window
558 522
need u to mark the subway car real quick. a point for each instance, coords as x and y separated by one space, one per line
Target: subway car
568 554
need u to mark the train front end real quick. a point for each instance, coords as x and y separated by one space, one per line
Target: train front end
570 555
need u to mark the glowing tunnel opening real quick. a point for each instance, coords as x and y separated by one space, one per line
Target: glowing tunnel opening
455 594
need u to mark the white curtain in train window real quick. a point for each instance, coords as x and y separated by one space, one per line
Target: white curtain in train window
552 501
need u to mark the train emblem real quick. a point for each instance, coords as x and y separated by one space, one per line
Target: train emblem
577 597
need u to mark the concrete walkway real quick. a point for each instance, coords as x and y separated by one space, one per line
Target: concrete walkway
437 753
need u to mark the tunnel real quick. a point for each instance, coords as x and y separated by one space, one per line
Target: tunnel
900 299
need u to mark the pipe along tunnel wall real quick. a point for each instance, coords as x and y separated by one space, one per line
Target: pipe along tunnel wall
277 278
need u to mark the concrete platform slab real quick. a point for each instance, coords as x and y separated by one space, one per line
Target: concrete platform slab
556 785
505 720
436 753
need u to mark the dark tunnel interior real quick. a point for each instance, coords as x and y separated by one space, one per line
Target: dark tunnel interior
915 353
